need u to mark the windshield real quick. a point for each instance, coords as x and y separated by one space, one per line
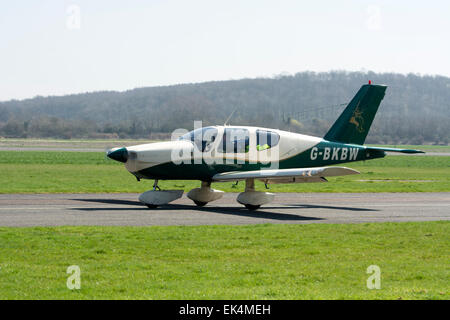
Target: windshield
202 137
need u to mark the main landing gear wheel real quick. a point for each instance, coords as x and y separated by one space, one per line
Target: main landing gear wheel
152 206
201 196
252 207
252 199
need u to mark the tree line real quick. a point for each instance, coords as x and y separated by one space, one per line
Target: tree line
415 110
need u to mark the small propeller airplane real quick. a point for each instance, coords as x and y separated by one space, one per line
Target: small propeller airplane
236 153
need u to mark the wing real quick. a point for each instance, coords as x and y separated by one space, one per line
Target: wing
286 175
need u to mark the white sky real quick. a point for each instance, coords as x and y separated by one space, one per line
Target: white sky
47 48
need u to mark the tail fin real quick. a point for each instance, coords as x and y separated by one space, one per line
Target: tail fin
354 123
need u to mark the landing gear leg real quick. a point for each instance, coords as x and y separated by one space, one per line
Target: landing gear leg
250 187
252 199
201 196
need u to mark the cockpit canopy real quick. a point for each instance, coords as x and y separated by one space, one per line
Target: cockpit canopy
202 137
234 139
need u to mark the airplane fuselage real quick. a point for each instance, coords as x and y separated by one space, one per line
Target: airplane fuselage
182 160
236 153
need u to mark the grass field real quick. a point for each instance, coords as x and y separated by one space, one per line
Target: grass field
108 143
79 172
69 143
317 261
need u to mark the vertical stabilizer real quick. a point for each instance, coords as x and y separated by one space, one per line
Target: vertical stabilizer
354 123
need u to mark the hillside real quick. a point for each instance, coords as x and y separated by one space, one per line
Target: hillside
416 109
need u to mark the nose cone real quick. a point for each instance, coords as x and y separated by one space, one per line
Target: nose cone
118 154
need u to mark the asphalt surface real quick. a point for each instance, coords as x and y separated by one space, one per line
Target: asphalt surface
20 210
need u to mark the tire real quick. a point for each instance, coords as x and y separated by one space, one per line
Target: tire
152 206
252 207
200 203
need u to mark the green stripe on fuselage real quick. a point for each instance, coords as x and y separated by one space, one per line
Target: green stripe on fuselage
324 153
328 153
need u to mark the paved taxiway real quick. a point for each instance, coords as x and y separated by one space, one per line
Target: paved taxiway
124 209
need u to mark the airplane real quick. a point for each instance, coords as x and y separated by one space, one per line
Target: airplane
243 153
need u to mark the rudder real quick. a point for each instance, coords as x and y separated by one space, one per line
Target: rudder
354 123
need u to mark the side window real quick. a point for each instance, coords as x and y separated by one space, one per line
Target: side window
266 139
235 140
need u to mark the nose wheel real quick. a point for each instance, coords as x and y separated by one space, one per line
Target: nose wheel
156 197
155 187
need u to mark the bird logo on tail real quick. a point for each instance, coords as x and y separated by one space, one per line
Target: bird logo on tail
357 119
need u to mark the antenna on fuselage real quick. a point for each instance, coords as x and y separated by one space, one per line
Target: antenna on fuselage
229 117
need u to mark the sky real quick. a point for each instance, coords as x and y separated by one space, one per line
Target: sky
57 47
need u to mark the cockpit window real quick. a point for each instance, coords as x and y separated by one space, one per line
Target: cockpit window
203 138
266 139
235 140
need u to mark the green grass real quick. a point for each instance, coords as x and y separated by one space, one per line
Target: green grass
49 142
28 142
79 172
317 261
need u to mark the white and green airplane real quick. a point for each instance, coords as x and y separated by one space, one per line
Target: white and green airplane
234 153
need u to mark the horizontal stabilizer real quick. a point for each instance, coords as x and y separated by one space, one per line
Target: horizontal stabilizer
394 150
